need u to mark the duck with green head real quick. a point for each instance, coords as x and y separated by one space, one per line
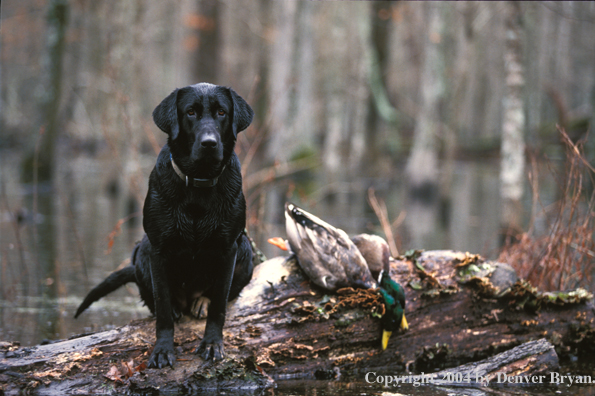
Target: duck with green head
332 260
377 254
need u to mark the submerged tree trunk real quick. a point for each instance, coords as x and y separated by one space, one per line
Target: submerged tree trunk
512 171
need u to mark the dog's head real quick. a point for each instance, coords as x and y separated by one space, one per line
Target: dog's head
202 122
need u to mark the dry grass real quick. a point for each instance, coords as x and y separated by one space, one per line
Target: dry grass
563 258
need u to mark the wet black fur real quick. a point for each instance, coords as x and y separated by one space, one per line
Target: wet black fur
194 243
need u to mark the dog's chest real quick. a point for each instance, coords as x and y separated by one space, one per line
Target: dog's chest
196 225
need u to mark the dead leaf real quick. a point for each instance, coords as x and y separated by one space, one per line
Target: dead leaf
113 374
141 367
128 369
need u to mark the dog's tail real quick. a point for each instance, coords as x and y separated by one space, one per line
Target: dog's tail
111 283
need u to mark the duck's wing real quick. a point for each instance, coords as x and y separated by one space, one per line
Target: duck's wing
321 266
315 249
332 248
353 262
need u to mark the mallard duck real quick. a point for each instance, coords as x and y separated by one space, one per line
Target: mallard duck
377 254
321 248
325 253
394 302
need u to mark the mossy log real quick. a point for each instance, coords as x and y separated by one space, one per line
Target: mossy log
460 309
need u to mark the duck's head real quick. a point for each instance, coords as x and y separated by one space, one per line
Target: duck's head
393 295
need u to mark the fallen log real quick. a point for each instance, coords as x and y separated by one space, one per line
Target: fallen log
529 363
460 308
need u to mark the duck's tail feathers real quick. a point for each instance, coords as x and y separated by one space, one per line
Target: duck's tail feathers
110 284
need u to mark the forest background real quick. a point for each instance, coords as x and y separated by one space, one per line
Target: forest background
435 124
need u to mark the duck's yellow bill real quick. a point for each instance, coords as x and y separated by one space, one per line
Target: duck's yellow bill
279 242
404 324
385 336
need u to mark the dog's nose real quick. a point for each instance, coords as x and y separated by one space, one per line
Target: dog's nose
208 142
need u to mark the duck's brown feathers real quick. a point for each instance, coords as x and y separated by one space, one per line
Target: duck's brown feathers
325 253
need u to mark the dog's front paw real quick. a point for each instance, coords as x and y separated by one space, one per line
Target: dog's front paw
211 349
163 355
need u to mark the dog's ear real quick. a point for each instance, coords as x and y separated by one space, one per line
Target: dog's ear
165 115
242 113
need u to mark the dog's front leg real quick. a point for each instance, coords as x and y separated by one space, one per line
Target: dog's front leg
163 353
211 345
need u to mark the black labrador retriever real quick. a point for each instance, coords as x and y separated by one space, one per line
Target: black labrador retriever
194 218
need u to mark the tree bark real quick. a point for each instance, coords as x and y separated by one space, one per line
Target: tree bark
512 171
281 326
422 167
40 160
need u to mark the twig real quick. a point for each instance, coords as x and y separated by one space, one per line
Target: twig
379 208
563 258
278 171
117 229
575 149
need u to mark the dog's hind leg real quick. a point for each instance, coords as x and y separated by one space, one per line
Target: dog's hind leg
141 259
244 267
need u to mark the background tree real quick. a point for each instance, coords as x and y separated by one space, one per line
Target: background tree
512 171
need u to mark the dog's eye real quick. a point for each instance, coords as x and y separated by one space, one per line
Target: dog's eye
191 112
221 112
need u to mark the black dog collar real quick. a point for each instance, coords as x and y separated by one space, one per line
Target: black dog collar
195 182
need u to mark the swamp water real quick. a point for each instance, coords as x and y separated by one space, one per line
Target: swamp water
57 242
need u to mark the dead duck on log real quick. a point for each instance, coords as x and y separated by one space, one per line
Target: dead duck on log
377 254
332 260
325 253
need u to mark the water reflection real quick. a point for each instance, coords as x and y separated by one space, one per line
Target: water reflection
345 388
465 220
50 260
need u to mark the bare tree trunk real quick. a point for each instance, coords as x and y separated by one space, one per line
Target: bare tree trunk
512 171
381 113
205 63
491 124
39 164
345 85
57 21
281 64
422 166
